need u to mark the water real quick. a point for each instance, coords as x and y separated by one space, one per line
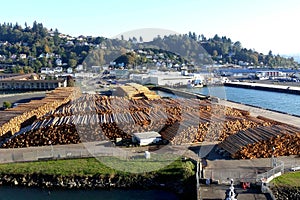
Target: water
283 102
15 193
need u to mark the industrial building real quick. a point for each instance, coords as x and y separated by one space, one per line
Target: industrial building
32 84
146 138
162 78
29 82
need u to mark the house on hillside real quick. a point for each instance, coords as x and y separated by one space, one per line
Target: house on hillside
69 70
23 56
58 62
58 69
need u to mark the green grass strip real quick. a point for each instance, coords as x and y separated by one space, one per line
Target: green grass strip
89 167
291 179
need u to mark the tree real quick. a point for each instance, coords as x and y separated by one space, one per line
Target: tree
126 59
216 38
46 48
36 65
72 62
70 81
7 104
215 53
98 40
237 45
134 40
141 39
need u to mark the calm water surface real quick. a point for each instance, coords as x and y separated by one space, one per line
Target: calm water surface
16 193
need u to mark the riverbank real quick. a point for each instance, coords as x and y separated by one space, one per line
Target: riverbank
89 173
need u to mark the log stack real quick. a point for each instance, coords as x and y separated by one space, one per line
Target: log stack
96 117
63 119
263 142
12 119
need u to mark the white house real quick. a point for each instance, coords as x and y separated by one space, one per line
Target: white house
58 69
58 62
23 56
69 70
46 70
79 68
2 57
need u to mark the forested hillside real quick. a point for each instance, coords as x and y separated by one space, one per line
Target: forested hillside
26 49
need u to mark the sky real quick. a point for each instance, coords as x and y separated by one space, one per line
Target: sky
261 25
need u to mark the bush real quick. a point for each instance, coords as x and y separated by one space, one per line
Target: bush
6 104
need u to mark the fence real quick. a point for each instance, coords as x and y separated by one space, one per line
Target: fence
272 173
266 177
60 152
224 175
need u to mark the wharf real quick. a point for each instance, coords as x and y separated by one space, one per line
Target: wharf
267 87
179 93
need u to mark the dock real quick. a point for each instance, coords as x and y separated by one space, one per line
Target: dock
267 87
179 93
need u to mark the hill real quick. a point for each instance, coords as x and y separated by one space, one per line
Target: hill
28 49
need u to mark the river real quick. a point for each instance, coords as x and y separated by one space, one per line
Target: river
16 193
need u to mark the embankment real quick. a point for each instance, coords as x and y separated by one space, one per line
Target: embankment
179 93
89 173
284 192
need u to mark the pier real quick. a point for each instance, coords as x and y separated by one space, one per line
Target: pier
267 87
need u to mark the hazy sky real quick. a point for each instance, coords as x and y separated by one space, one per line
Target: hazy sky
262 25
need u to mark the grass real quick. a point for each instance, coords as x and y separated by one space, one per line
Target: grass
89 166
291 179
92 166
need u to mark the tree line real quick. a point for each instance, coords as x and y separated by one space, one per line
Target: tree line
43 47
224 50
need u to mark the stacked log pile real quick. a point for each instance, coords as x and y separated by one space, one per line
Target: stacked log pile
135 91
209 126
95 118
263 142
12 119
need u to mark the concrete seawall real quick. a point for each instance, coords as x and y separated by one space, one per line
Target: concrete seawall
179 93
266 87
